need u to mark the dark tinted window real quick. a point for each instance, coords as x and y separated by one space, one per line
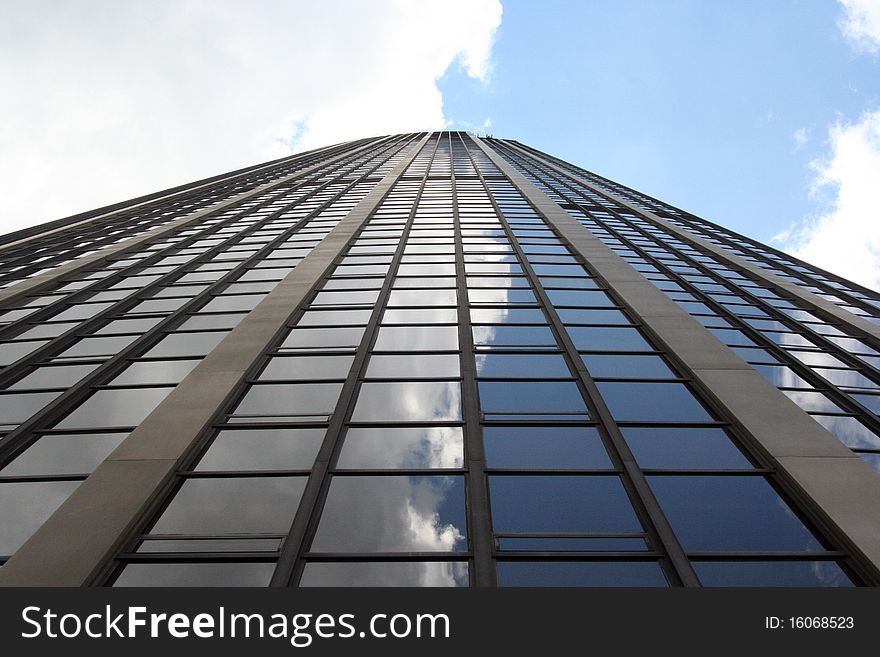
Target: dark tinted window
580 573
537 398
771 573
652 401
544 447
682 447
731 513
560 503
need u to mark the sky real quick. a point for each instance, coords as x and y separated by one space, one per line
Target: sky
762 116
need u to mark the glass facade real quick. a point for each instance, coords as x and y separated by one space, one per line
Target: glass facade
460 399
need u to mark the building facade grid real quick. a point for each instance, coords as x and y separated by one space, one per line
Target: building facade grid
458 396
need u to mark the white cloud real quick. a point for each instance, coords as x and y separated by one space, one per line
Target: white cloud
104 100
800 137
845 239
860 24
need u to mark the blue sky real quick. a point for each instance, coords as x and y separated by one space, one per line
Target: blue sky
763 116
694 102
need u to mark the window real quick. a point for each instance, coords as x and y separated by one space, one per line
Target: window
417 338
64 454
731 514
417 366
408 402
535 399
232 505
115 408
378 514
563 504
580 573
402 448
544 447
669 402
262 449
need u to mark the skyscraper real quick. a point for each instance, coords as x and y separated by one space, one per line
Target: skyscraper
430 360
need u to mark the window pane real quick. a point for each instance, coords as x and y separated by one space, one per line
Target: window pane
420 316
158 305
812 401
307 367
496 281
348 298
577 316
385 573
730 513
527 366
230 544
426 270
580 573
306 399
354 283
436 281
18 407
335 318
849 431
683 447
24 506
115 408
781 376
562 543
47 331
186 344
81 311
532 398
544 447
598 338
323 338
845 378
422 298
417 338
103 346
64 454
402 447
579 298
620 366
263 449
415 402
416 366
513 336
13 351
161 371
393 514
196 574
223 321
560 503
501 296
232 505
232 303
671 402
771 573
507 316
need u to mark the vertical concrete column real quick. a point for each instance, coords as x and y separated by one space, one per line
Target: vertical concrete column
76 545
840 488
